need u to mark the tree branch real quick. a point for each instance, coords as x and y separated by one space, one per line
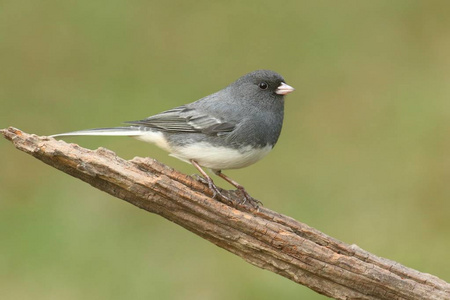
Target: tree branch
261 237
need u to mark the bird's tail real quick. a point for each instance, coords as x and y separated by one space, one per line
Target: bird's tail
112 131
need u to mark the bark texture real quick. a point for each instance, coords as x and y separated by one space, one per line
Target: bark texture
261 237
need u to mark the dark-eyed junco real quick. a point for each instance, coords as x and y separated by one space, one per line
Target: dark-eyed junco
230 129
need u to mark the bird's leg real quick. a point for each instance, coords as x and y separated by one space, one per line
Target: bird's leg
209 181
247 196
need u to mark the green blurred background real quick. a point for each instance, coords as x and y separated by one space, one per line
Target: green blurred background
364 155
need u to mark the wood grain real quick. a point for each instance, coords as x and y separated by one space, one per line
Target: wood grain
261 237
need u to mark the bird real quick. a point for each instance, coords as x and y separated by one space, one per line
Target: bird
230 129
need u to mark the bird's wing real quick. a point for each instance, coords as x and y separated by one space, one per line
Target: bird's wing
186 119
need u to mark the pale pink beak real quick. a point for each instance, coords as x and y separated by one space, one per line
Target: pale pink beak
284 89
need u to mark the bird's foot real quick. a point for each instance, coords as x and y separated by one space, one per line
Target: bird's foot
217 194
244 198
247 199
200 178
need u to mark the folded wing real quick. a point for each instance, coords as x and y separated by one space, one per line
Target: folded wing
185 119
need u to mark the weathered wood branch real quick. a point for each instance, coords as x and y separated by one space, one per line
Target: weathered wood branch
261 237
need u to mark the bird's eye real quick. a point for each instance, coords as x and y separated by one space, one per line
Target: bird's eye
263 85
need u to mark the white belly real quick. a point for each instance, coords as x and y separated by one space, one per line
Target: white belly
207 155
220 158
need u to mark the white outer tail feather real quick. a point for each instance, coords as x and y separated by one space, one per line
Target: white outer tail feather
117 131
149 136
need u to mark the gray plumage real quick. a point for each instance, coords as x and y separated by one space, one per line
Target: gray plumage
231 128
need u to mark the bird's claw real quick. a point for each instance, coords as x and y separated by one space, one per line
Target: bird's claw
215 190
217 194
249 199
200 178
